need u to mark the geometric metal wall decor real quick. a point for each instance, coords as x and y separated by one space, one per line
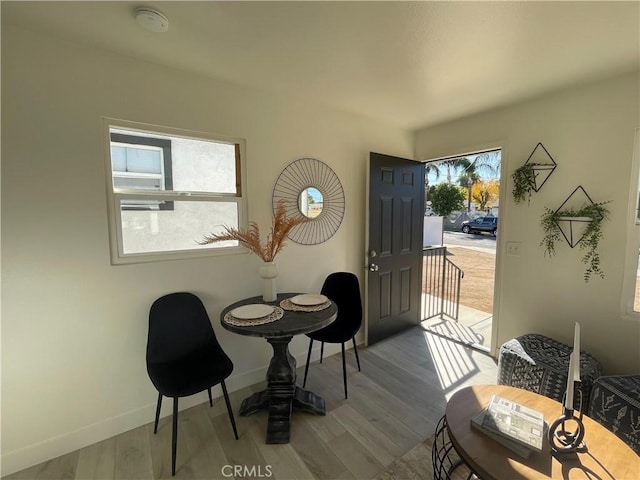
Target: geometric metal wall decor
542 164
573 228
310 187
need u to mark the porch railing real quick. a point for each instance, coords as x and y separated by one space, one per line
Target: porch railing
440 284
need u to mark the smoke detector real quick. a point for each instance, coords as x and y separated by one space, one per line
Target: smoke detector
151 19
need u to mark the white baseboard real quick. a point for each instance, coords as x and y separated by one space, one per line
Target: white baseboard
37 453
26 457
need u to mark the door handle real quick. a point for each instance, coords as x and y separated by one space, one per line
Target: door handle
372 267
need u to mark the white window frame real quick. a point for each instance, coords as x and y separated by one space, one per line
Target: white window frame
633 237
114 196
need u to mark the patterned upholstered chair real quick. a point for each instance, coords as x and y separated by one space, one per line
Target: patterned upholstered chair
615 403
540 364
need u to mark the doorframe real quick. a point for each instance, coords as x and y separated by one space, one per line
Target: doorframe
500 241
365 262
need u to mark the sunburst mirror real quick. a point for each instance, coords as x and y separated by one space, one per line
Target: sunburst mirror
311 188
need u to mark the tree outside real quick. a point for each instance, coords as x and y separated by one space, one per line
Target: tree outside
446 198
477 174
485 194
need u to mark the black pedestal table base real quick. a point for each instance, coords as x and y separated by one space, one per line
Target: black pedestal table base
282 395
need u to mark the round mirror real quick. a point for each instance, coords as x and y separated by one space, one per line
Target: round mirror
310 202
309 187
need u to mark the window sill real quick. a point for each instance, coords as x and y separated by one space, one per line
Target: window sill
177 255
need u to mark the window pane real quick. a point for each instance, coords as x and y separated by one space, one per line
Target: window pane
196 165
203 166
151 231
118 158
144 160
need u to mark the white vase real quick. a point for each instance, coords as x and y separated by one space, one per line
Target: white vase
268 271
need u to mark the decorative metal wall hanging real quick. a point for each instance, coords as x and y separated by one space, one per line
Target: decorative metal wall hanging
533 174
311 188
543 165
579 220
573 226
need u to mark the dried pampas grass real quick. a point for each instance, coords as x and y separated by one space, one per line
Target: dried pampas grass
250 238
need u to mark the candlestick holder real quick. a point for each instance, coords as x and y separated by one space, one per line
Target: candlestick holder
566 433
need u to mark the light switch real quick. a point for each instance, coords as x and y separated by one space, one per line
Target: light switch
513 249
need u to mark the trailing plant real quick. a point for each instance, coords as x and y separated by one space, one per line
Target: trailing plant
523 182
250 238
590 240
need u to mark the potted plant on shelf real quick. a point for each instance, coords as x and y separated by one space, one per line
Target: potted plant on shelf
562 223
267 251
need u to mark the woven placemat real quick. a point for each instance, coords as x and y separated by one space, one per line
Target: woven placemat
277 314
287 304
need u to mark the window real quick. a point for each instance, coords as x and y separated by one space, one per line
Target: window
636 228
631 289
168 188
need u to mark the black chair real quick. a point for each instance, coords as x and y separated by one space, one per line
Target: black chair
343 289
184 356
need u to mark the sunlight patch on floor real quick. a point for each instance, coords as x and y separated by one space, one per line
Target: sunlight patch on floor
453 362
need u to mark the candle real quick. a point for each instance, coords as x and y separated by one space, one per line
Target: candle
576 351
568 401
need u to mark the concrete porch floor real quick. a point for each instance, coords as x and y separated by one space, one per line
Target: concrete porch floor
473 327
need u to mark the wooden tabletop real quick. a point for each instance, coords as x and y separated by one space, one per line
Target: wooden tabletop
292 323
607 457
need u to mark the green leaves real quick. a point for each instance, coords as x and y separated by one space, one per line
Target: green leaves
552 233
523 182
446 198
591 237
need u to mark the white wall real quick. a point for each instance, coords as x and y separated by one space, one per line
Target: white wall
589 131
74 326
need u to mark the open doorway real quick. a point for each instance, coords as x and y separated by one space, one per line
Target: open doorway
462 196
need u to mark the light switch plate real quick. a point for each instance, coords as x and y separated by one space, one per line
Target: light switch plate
513 249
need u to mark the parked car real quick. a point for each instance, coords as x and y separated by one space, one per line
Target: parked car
481 224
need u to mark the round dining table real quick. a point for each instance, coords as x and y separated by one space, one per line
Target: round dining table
603 455
282 395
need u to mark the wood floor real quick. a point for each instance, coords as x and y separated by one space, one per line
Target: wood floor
394 405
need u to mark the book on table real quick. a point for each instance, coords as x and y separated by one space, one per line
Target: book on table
514 425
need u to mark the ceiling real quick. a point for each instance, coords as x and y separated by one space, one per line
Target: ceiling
412 64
